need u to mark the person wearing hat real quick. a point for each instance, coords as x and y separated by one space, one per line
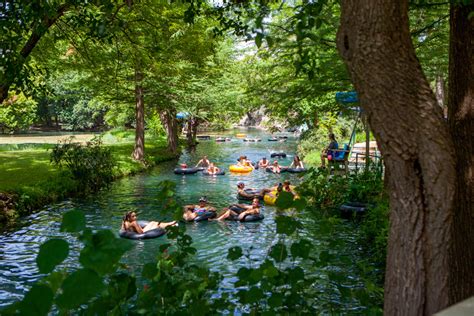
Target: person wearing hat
263 163
190 212
239 211
250 193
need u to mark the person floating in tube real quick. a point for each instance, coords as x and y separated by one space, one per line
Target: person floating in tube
203 163
263 163
239 211
129 223
192 211
250 193
296 163
212 169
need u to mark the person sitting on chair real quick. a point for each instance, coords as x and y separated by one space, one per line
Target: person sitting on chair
190 212
296 163
204 162
129 223
263 163
239 211
328 151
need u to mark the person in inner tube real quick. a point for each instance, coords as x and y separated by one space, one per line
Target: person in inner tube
129 223
248 163
276 168
212 169
204 162
287 187
263 163
192 211
297 163
241 210
250 193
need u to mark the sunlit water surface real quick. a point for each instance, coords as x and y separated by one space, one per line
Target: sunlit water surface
104 210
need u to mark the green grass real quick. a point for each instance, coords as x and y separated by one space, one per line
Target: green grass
28 175
24 168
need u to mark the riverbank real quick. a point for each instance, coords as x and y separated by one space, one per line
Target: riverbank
29 181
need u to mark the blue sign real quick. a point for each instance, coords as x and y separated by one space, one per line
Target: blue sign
347 97
182 115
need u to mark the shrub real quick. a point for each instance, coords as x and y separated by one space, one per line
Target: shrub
90 164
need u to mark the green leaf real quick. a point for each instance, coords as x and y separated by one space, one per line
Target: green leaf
37 301
79 288
149 270
284 200
52 253
301 249
234 253
295 274
279 252
103 251
276 300
122 286
270 41
73 221
287 225
258 39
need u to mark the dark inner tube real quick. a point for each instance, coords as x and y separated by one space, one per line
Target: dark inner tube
205 216
187 170
282 155
254 194
154 233
220 173
296 170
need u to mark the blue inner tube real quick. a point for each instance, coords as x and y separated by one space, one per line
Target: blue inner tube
220 173
205 216
154 233
281 155
273 139
187 170
296 170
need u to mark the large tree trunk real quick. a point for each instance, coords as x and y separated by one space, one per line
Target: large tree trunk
139 150
461 123
168 119
191 131
375 43
440 92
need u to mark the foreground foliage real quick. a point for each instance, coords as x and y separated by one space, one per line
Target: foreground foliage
285 282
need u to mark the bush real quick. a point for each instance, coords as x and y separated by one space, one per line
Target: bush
17 113
91 164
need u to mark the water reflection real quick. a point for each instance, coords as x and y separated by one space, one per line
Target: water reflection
105 210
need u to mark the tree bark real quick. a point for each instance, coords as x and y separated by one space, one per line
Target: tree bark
168 119
461 118
139 150
440 92
374 41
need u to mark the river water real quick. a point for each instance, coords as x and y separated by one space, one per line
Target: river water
104 210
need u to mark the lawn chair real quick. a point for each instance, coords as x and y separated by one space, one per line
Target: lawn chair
339 157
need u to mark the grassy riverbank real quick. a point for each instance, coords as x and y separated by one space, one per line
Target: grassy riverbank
29 181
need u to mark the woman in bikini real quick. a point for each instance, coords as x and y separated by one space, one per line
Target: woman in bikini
129 223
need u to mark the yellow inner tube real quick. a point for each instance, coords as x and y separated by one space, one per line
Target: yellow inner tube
241 169
270 198
240 135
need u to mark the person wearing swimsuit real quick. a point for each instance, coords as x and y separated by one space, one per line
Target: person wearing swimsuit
129 223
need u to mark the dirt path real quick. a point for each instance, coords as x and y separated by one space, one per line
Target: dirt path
43 139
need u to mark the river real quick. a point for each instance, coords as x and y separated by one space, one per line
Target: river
104 210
